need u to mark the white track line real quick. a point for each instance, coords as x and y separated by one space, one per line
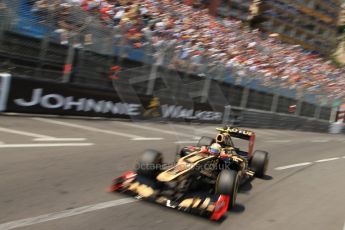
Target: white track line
60 139
197 131
207 129
63 214
293 166
4 146
29 134
147 139
278 141
308 163
206 133
155 129
280 133
186 126
328 159
319 141
185 142
38 137
121 134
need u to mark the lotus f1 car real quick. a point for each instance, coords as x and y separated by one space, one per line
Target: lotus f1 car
198 182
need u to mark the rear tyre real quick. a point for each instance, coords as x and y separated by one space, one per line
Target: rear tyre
259 163
227 184
205 141
150 163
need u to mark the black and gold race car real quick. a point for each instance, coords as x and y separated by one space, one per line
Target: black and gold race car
200 181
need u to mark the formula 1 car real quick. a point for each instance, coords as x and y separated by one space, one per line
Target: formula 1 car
198 182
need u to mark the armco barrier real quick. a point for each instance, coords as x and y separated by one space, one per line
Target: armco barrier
261 119
27 95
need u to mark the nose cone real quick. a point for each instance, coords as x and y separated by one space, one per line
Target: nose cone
172 173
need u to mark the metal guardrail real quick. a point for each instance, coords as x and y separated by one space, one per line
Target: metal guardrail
37 96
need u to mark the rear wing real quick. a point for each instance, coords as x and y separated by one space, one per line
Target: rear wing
237 132
241 134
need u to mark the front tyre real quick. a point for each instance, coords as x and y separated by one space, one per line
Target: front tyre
259 163
184 152
150 163
227 184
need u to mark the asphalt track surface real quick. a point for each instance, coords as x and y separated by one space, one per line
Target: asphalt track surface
59 182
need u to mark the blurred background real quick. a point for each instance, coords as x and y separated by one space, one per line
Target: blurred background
268 57
178 69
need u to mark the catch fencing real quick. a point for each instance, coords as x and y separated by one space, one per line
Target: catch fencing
101 57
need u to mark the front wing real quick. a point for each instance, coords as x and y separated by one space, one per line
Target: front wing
201 203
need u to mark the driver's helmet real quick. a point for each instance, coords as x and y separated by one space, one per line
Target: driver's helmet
215 149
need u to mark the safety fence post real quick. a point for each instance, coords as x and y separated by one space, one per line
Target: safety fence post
244 99
299 107
206 89
226 116
317 112
68 64
299 98
274 105
152 79
43 52
333 117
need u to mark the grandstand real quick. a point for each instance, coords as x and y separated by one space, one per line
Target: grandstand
340 52
342 15
312 24
243 10
79 41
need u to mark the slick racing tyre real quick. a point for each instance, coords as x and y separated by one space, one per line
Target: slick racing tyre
205 141
184 152
227 183
259 163
150 163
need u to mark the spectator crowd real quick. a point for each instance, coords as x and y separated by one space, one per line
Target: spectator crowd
193 38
